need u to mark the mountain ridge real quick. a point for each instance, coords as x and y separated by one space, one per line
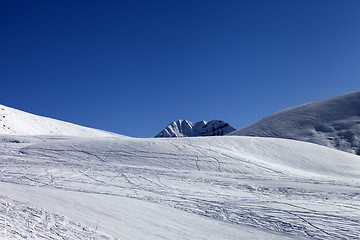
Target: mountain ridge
185 128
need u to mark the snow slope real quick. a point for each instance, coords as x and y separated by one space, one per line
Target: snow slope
16 122
333 122
226 187
184 128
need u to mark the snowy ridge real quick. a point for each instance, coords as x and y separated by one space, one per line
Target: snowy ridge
16 122
333 122
184 128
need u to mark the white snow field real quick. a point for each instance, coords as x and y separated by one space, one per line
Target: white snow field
229 187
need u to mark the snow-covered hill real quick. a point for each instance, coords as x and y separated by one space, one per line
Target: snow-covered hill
184 128
333 122
16 122
176 188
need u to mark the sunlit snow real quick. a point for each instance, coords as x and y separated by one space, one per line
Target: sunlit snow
230 187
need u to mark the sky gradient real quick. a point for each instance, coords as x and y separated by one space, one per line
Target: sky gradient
132 67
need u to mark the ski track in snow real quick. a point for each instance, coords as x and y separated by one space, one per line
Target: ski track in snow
210 178
23 221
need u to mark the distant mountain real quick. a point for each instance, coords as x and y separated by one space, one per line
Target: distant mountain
184 128
333 122
16 122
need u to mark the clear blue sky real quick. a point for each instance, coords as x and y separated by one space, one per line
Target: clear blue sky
132 67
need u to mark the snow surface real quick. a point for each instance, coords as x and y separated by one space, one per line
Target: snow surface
56 187
184 128
333 122
63 181
16 122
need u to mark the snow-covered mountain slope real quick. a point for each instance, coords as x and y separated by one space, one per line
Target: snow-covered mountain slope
179 188
16 122
333 122
184 128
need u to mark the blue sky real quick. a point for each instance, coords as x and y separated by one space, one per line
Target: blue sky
132 67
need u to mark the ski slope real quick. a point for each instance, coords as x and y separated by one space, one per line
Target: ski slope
234 187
